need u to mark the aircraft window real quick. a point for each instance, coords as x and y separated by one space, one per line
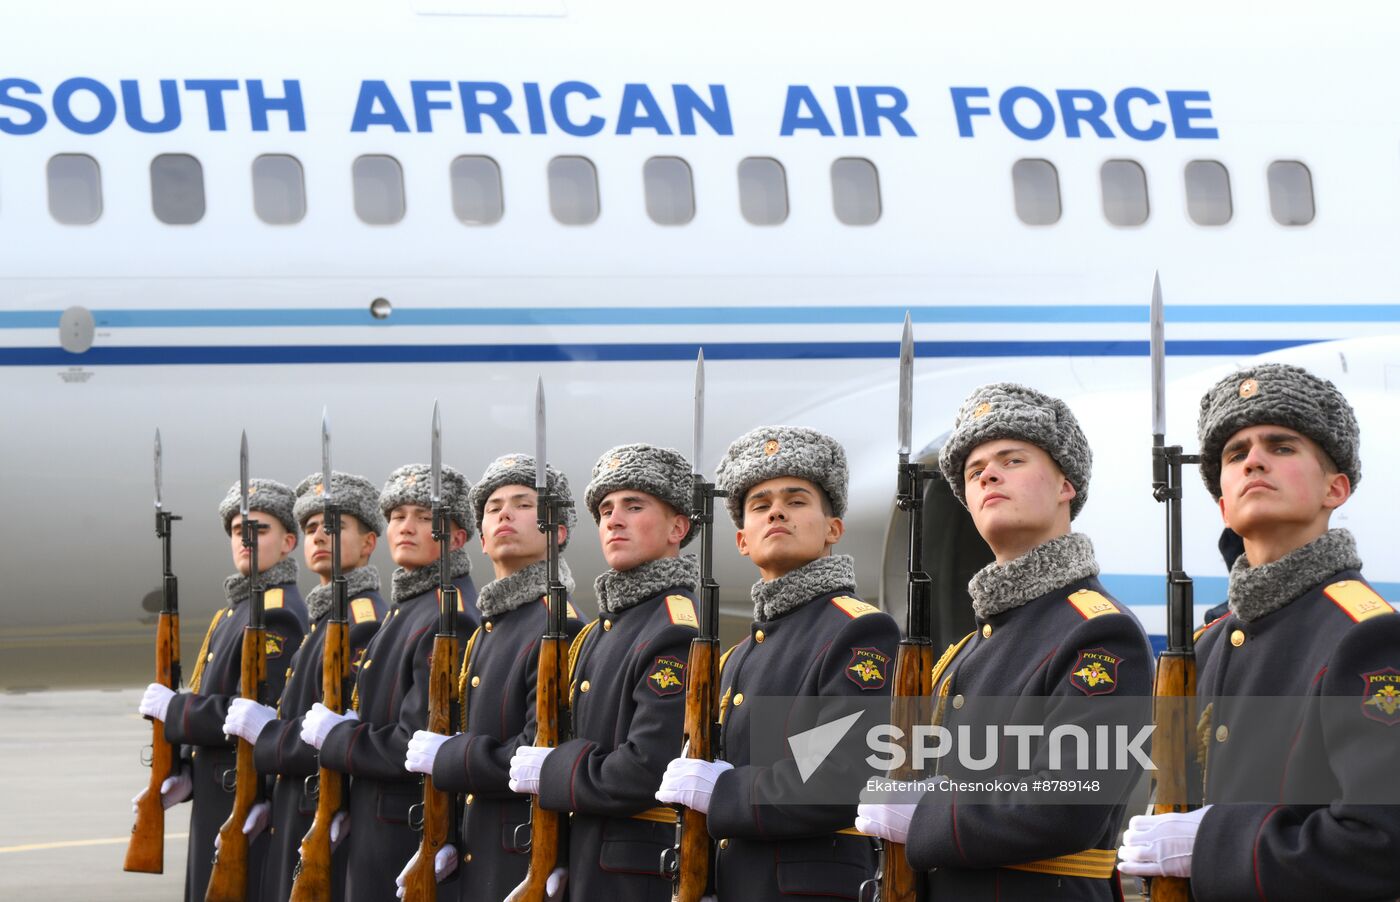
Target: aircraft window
670 190
379 198
1291 193
763 197
573 190
177 189
1208 193
279 189
1124 192
75 189
855 191
1036 185
476 190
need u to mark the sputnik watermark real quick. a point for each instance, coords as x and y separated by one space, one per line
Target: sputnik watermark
1108 748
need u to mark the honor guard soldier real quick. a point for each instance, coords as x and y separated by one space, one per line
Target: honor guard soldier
276 732
500 672
1300 794
391 688
811 637
196 718
1049 636
627 687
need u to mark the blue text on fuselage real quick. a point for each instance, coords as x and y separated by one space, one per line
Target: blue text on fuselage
1137 113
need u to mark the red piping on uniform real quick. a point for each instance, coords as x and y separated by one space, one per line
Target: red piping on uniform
350 748
957 840
1258 884
573 801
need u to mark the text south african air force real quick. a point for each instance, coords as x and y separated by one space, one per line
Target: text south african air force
86 105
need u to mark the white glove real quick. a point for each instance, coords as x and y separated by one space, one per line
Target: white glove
1159 845
253 824
173 791
318 723
554 884
525 767
422 751
340 828
246 719
444 863
691 782
156 702
889 821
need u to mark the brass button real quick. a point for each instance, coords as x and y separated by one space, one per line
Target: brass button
959 701
986 631
271 831
365 666
470 798
738 699
724 843
486 626
211 657
476 681
758 637
584 686
313 627
469 857
1237 638
1222 733
607 625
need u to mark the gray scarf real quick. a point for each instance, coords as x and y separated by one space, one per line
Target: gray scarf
619 590
1256 591
521 587
773 598
236 584
361 579
410 583
998 588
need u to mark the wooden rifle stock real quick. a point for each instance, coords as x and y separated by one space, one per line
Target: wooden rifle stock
545 825
145 852
420 883
313 878
229 880
1173 690
694 848
913 675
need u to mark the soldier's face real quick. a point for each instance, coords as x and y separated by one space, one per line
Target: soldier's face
356 545
1274 478
1015 493
410 534
786 526
635 527
274 542
510 532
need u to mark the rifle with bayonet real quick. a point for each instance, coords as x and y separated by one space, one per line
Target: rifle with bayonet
312 879
895 880
1175 684
420 881
688 862
551 714
145 852
229 880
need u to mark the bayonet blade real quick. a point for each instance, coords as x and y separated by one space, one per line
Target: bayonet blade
158 466
437 454
1159 359
541 461
699 437
906 387
326 455
243 476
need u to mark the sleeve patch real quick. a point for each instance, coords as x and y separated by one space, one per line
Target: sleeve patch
362 610
682 611
853 607
1095 672
274 644
868 667
272 598
1358 600
667 675
1091 604
1382 699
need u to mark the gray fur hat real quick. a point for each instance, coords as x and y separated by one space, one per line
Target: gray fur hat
353 495
266 495
1007 410
413 484
1277 394
769 452
519 469
660 472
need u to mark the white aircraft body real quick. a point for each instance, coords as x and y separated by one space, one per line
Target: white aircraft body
219 219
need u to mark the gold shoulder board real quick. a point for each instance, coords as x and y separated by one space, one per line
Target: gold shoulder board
1358 600
362 609
682 611
853 607
272 598
1091 604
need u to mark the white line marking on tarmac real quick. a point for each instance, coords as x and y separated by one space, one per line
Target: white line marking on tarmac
74 843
